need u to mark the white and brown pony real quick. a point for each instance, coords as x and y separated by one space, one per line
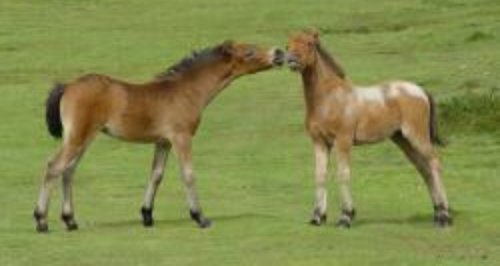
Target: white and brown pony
165 111
340 115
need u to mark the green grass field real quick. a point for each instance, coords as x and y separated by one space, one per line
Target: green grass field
253 159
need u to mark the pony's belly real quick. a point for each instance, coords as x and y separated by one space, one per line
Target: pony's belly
359 140
131 134
374 130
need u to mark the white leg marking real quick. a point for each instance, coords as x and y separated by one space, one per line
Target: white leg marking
343 155
321 156
182 146
158 168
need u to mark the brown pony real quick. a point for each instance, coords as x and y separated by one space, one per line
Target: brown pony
340 115
165 111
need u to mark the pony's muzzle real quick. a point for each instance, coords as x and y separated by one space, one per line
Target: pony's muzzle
278 57
293 62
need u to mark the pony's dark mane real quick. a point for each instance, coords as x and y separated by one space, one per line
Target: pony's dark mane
197 58
330 61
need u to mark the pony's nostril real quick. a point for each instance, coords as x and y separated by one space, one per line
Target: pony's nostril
278 60
279 57
279 53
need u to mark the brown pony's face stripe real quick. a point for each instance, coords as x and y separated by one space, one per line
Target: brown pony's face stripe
250 58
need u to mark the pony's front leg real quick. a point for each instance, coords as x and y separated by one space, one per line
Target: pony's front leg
182 147
343 158
158 168
321 152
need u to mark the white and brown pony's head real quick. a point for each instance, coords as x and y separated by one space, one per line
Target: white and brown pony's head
304 50
301 49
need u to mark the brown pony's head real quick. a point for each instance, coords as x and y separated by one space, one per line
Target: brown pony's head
249 58
301 49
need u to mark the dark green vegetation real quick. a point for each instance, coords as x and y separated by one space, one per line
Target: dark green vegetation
253 160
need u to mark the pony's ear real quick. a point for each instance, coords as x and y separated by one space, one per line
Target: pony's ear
226 47
315 34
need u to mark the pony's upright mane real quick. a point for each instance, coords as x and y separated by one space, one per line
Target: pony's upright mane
197 58
330 61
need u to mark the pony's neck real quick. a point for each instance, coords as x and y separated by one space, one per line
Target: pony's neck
202 85
320 79
216 80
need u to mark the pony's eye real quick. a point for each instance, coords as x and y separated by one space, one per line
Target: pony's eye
250 53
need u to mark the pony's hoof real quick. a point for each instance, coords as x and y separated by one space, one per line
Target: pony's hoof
41 222
42 228
204 223
147 217
199 219
442 220
73 226
318 220
343 223
70 222
346 217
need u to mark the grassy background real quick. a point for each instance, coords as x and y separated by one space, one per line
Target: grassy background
253 159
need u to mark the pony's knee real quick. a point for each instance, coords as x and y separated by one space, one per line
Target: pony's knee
157 176
188 178
55 169
435 163
343 175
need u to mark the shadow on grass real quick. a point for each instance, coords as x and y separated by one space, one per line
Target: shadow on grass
417 219
414 219
181 221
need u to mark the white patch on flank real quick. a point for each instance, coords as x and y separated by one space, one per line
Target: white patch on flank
393 92
370 94
413 90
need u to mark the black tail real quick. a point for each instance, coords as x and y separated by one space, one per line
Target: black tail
433 123
52 111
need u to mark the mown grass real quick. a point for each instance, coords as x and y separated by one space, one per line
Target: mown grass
253 160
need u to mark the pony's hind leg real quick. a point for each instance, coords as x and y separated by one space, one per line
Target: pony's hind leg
63 161
182 147
343 148
77 137
67 213
321 152
158 168
422 155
